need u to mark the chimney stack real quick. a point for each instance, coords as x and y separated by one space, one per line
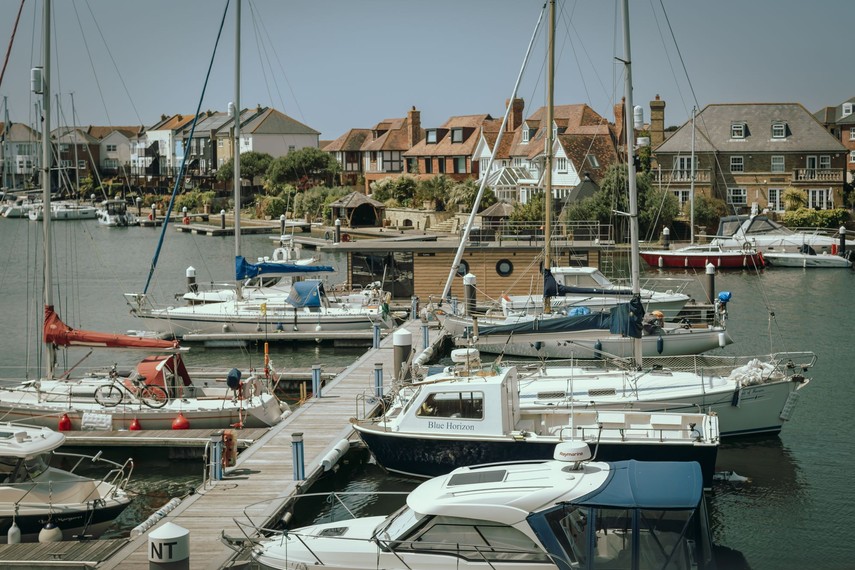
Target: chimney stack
657 122
414 126
515 118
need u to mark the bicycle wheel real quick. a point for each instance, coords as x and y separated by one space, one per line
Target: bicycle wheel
153 396
108 395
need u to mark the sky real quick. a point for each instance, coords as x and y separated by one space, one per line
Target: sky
341 64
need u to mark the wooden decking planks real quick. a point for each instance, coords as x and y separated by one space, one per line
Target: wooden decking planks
263 477
157 438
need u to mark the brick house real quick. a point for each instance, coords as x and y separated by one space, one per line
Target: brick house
449 149
347 150
840 122
748 154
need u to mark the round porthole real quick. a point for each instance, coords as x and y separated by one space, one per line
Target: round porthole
504 267
463 268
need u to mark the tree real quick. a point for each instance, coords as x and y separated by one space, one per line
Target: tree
464 194
794 198
397 191
252 165
304 167
531 211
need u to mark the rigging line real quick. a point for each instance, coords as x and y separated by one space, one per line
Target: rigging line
679 54
110 53
186 154
11 41
92 64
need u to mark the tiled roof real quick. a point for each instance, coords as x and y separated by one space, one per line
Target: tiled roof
355 199
350 141
99 132
601 145
19 132
471 126
569 118
273 122
713 128
172 123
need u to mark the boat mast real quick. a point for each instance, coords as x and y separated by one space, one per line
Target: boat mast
46 180
692 184
550 119
630 163
236 133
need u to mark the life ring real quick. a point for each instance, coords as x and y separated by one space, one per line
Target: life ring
345 237
150 218
746 247
186 220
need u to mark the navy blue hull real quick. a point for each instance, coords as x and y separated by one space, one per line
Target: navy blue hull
425 457
69 523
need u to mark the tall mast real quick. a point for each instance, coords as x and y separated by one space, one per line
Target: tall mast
550 119
46 180
630 163
692 184
236 139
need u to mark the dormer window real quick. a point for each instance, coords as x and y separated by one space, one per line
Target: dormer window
456 135
431 136
847 109
779 130
737 130
525 133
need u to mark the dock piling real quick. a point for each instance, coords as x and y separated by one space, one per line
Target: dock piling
169 547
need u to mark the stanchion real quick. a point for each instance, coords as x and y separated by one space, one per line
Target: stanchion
376 341
316 380
425 336
378 379
217 456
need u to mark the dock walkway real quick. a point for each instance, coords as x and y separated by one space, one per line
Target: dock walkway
263 480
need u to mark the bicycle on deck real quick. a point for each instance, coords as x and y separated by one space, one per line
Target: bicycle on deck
112 394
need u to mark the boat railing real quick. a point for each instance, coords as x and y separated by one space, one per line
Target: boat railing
118 476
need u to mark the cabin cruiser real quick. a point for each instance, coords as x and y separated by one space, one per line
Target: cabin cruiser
806 257
764 234
442 423
64 210
564 513
114 214
37 499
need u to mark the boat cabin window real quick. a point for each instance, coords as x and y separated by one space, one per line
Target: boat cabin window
17 470
468 405
667 539
400 524
474 539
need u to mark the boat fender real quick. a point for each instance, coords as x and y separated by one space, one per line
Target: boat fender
13 535
150 218
660 344
180 422
50 533
64 423
186 220
345 237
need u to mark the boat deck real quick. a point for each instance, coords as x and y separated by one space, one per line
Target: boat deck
262 482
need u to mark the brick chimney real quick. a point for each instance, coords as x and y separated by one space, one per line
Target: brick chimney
515 119
657 122
414 126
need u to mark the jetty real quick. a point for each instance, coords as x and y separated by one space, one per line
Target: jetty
264 481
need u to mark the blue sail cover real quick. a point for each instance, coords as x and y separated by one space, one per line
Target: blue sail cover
547 325
627 318
306 294
649 485
245 269
552 288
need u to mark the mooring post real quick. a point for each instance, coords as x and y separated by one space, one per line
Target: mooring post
222 219
316 381
378 379
297 456
169 548
376 337
217 456
402 341
710 271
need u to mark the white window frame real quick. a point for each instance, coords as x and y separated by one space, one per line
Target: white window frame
781 166
560 164
852 133
430 136
683 167
776 199
518 162
737 192
819 198
737 130
847 109
525 133
683 195
852 156
779 130
592 160
737 163
457 135
824 161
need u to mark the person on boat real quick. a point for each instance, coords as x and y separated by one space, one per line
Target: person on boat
653 323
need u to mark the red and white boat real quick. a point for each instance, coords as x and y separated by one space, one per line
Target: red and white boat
699 256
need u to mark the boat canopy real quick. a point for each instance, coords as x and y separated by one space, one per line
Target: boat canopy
245 269
552 288
306 293
58 333
649 485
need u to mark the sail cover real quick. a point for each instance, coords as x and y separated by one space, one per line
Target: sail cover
306 294
58 333
245 269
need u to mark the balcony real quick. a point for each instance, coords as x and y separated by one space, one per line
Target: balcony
832 175
702 176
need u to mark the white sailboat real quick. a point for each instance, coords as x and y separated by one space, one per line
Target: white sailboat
307 307
154 396
753 394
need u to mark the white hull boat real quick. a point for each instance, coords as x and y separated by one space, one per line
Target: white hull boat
766 235
806 260
64 211
46 503
115 214
557 514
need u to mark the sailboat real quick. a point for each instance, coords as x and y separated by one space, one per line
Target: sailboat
307 306
581 313
750 394
74 403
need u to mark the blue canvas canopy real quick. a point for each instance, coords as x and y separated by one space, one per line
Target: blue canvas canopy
245 269
306 293
649 485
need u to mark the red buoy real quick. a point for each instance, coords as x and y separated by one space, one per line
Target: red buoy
135 425
180 422
64 423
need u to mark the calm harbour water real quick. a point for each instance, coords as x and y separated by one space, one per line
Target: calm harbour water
792 514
